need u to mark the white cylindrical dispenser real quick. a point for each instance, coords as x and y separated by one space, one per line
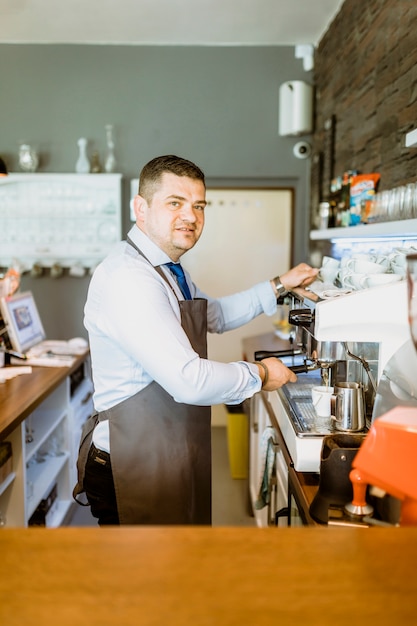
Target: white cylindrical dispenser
295 108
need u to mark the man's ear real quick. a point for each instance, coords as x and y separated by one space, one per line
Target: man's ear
139 208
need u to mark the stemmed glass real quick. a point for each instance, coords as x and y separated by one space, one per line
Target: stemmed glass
412 295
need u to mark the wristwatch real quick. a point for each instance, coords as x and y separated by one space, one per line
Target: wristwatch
279 287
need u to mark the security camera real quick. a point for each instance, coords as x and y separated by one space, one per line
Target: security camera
302 150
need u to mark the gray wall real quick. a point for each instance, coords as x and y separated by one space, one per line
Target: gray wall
216 106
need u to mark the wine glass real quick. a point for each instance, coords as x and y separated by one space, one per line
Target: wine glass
412 295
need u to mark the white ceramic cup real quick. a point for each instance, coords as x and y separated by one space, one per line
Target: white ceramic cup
399 257
383 260
356 281
360 266
320 397
344 275
376 280
330 262
328 274
362 256
401 270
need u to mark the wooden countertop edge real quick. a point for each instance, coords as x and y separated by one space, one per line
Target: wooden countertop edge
199 575
44 381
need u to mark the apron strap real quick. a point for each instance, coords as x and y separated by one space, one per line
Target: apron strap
157 268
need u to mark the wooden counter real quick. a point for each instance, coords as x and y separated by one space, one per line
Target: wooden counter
22 394
202 576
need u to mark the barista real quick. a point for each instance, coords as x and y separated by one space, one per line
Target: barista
147 454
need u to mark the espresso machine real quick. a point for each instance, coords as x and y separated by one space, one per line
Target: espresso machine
348 338
387 458
352 334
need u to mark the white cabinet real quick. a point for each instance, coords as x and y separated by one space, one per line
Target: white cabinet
262 441
45 448
46 454
59 218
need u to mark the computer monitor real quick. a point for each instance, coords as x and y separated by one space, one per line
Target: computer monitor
21 317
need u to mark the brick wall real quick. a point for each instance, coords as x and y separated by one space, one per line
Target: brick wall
365 76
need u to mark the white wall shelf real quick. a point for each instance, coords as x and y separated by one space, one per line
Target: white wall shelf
59 218
403 229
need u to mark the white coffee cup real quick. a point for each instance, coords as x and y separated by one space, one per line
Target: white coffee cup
401 270
344 278
376 280
360 266
329 261
362 256
383 260
328 274
320 397
356 281
399 257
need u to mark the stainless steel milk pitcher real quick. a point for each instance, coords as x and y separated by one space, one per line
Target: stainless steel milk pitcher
348 407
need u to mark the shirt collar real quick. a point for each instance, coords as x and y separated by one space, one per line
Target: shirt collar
152 252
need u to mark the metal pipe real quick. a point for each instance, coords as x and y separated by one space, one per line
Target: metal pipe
365 365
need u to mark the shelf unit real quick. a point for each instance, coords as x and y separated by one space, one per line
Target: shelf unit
403 229
379 238
45 448
65 219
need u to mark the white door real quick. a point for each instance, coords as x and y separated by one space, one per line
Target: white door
246 239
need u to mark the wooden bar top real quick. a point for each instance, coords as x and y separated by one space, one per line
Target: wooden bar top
22 394
201 576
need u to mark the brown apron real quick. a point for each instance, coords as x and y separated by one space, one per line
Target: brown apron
160 449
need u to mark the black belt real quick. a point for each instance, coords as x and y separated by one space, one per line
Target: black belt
100 456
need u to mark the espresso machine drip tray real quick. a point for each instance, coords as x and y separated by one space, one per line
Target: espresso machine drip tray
301 409
294 412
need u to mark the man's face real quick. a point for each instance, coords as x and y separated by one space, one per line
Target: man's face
174 219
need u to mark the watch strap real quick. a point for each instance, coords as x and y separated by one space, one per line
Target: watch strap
279 287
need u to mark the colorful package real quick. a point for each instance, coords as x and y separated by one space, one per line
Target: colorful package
362 191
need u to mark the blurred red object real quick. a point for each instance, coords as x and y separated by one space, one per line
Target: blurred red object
388 459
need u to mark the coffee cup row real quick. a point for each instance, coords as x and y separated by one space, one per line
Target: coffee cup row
360 271
357 280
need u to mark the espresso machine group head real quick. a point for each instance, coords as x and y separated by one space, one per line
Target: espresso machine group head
319 354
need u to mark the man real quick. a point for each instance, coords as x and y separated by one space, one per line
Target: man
147 452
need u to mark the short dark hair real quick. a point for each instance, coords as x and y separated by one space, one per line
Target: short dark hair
152 172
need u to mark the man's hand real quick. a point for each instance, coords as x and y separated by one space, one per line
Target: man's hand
299 276
274 374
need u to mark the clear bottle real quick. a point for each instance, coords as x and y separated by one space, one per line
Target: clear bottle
110 162
82 165
28 158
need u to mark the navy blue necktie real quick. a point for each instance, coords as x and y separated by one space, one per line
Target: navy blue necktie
177 270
